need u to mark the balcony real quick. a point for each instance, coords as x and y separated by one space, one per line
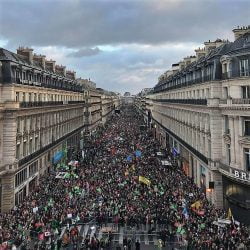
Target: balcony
42 150
49 103
235 101
235 74
245 139
240 101
234 173
183 101
61 84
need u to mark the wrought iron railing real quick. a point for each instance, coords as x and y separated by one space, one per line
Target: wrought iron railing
184 101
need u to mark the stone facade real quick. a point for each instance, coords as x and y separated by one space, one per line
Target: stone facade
201 110
43 110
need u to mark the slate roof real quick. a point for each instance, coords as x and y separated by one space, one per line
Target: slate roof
242 44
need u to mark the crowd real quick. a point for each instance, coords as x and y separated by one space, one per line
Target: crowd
105 187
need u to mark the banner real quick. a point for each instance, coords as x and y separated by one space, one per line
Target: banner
138 153
57 157
144 180
196 205
129 158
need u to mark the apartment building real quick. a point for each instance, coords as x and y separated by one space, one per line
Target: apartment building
44 110
201 110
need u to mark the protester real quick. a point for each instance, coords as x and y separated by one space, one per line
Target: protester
120 181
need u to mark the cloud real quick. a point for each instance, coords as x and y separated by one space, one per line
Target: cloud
77 24
85 52
123 45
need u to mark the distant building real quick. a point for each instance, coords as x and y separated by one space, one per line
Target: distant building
127 94
86 83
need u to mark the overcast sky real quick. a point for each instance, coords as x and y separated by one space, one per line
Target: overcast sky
122 45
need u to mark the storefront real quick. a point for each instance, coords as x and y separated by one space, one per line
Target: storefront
236 194
25 181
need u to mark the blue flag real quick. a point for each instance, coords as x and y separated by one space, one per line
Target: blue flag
138 153
129 158
185 212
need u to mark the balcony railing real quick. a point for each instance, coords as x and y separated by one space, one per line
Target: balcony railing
234 74
235 101
49 103
183 101
240 101
172 85
64 84
30 157
166 86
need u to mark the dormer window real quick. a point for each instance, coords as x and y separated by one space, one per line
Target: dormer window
245 92
244 67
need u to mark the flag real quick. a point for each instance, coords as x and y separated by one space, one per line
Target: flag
229 213
196 205
185 212
144 180
132 168
173 207
129 158
138 153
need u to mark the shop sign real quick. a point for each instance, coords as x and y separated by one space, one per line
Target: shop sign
239 174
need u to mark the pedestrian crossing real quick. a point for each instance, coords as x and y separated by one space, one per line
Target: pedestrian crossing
119 234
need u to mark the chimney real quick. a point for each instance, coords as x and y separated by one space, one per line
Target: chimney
71 74
200 52
27 53
187 61
41 59
240 31
175 67
61 69
50 65
182 65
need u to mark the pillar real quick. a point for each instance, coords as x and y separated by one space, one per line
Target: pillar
7 192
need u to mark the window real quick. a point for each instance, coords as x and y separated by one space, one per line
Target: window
20 177
17 96
245 92
244 68
247 126
225 90
24 124
247 158
18 125
17 74
17 151
228 154
30 147
33 168
227 130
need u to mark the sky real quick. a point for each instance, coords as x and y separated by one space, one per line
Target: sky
122 45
